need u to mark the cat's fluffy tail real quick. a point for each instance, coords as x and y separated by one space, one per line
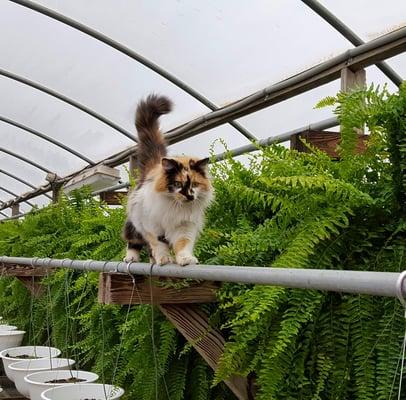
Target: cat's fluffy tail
151 144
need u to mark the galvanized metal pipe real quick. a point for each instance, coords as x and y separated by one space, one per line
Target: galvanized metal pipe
350 35
389 284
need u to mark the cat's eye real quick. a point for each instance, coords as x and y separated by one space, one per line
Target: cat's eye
177 184
195 184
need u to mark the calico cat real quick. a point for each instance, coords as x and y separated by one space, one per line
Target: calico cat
167 207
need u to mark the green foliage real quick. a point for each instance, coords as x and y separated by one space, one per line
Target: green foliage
283 209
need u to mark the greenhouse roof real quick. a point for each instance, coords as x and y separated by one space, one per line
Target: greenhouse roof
72 72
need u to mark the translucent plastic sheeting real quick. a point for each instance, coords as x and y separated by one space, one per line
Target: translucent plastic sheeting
215 139
369 18
82 68
226 50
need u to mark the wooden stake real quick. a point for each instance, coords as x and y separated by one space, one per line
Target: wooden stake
194 325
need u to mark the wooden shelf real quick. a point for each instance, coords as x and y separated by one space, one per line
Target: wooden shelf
118 288
325 141
29 276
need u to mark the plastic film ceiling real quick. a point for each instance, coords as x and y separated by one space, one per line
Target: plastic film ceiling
224 50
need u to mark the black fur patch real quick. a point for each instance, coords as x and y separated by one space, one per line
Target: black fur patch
163 239
130 233
135 246
200 166
172 170
186 189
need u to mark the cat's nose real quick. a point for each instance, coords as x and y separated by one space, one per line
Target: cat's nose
190 197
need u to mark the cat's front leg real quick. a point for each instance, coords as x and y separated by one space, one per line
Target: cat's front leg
183 248
159 249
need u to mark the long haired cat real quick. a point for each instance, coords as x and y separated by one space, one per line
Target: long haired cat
166 210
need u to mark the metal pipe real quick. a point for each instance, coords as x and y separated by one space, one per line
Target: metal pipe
112 188
67 100
351 36
17 178
28 161
361 282
130 53
283 137
14 194
47 138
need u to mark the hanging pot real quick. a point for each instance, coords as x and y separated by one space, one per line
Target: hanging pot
10 338
7 327
14 354
38 382
21 369
81 391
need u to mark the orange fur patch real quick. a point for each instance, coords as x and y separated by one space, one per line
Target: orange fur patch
180 245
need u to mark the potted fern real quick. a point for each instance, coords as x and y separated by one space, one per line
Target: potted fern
38 382
82 391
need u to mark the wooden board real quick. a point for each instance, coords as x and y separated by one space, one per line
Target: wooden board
23 270
29 276
325 141
117 288
113 198
194 325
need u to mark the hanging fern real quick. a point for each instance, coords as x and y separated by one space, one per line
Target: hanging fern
284 209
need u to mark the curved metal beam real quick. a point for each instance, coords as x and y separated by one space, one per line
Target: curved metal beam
17 178
130 53
67 100
351 36
28 161
47 138
15 195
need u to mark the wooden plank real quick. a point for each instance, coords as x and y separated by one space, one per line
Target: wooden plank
113 198
15 209
325 141
23 270
116 288
351 80
33 284
193 324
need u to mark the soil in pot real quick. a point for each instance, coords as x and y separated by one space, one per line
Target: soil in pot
67 380
22 356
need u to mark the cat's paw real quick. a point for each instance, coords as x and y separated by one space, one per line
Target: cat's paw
131 256
164 259
186 259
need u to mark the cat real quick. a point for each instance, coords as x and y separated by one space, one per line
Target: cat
166 209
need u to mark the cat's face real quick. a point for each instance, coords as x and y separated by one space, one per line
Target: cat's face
184 178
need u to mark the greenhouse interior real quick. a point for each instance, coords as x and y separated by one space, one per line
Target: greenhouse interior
203 200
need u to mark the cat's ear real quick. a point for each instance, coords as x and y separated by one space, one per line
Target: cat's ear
169 164
199 165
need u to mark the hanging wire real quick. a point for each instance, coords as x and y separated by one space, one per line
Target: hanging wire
125 323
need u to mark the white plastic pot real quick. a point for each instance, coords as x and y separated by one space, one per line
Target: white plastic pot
36 381
21 369
10 355
83 391
7 327
10 339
